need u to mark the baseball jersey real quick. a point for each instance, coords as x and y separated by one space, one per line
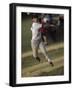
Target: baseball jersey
36 34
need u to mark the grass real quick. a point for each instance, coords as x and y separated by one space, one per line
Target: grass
26 35
36 70
30 61
56 72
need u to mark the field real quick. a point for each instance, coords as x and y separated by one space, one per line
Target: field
29 66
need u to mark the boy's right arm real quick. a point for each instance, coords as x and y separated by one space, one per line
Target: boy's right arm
31 27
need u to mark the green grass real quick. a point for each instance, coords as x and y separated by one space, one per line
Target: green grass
37 70
56 72
30 61
26 35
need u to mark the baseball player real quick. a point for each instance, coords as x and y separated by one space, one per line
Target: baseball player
36 41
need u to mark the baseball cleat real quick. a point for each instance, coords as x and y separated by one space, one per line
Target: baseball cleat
51 63
38 59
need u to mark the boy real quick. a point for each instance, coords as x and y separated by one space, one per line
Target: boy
36 41
44 31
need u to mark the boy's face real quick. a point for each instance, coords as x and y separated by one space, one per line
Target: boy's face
34 19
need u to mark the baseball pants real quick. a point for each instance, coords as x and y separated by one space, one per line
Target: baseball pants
36 44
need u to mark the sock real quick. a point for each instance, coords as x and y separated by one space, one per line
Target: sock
49 60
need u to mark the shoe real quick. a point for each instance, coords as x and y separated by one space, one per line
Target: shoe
38 59
51 63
